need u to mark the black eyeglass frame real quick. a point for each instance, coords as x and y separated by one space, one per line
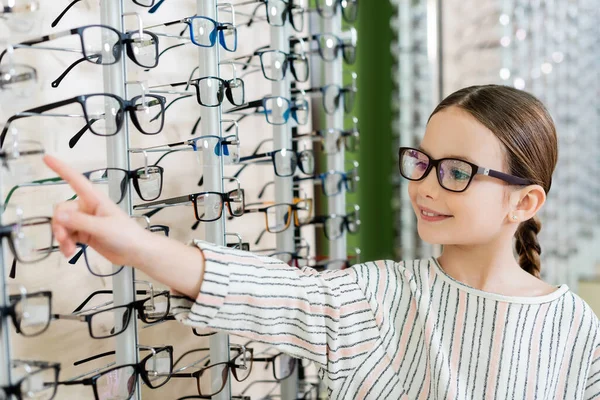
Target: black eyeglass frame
475 170
124 105
10 310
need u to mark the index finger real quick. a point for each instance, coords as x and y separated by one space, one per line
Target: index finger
79 183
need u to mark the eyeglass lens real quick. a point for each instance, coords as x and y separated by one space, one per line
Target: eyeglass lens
212 379
278 217
149 113
32 313
104 114
453 175
32 239
274 64
158 367
285 161
117 384
101 45
39 385
283 366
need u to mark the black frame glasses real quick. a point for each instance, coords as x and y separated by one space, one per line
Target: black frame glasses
132 371
221 89
120 106
110 36
217 199
22 389
334 225
148 375
150 174
274 64
464 171
141 306
210 370
28 306
285 161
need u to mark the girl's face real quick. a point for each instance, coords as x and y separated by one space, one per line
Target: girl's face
477 215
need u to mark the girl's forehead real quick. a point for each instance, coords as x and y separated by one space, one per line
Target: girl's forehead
455 133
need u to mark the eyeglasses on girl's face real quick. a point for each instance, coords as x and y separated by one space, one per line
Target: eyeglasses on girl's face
453 174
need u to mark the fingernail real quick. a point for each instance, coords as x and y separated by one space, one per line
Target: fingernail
62 216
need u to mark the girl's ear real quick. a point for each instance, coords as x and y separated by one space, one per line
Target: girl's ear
526 202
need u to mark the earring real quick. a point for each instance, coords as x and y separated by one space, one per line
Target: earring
514 217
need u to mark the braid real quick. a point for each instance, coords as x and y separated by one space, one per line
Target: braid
528 247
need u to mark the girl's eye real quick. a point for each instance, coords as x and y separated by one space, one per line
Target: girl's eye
459 175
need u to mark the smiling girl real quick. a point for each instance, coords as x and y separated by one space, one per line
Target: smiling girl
475 323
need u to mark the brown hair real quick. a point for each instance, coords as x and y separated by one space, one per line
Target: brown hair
525 128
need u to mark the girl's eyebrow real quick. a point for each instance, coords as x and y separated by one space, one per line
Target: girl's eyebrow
465 158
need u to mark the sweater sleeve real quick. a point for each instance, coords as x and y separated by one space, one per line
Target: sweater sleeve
592 384
324 317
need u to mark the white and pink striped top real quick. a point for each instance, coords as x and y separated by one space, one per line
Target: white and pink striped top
403 330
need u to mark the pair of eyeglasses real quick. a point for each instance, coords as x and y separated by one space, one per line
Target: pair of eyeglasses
333 95
39 382
120 382
329 8
278 12
102 45
155 369
147 182
285 161
330 46
332 139
278 217
208 206
334 182
142 3
242 358
150 310
283 365
335 225
453 174
104 114
204 32
211 90
278 109
18 79
227 147
275 63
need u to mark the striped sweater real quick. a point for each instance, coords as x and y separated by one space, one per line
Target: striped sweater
403 330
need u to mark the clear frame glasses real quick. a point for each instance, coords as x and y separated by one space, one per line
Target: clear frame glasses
39 382
278 110
329 8
453 174
104 114
19 80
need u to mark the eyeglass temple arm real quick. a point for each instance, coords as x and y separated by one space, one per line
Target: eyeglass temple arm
35 110
99 292
63 12
62 76
230 127
169 105
257 241
252 104
154 8
75 139
92 358
171 201
264 188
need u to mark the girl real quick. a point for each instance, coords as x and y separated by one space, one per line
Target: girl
474 323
